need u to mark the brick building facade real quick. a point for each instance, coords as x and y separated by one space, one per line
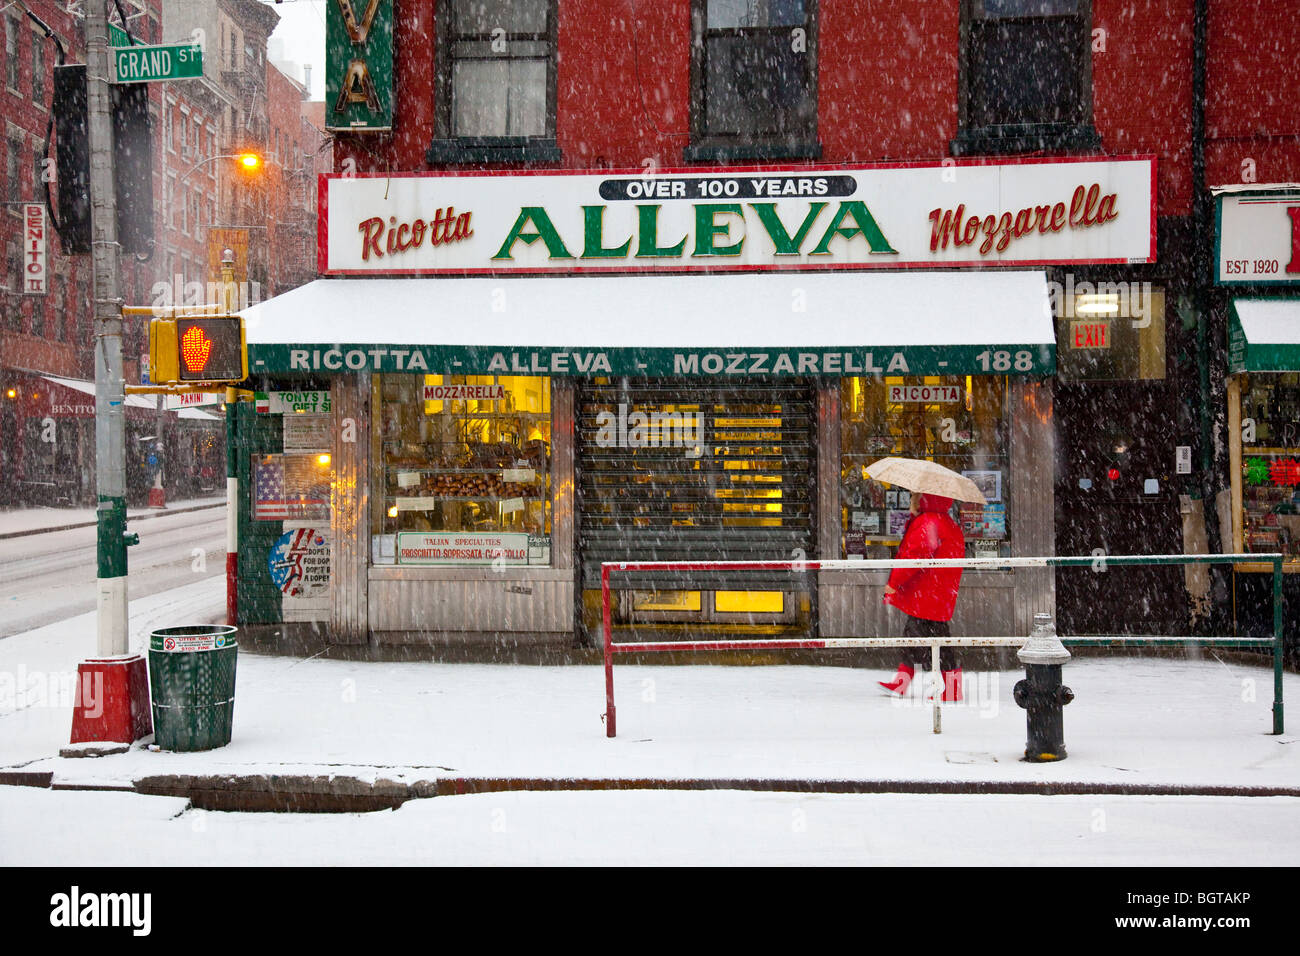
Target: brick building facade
201 202
1206 88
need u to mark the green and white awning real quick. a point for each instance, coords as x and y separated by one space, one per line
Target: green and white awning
718 326
1264 335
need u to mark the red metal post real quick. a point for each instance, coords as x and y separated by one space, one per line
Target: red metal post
609 651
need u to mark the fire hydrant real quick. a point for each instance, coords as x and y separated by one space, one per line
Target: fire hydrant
1042 694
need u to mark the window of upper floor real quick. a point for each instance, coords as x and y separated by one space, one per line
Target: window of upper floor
753 80
496 63
38 70
12 71
1025 77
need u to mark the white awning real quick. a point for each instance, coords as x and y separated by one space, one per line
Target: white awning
132 401
88 388
771 323
1264 335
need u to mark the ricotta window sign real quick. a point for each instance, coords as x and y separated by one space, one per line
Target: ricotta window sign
1026 212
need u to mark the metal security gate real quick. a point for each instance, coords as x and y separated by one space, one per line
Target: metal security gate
684 470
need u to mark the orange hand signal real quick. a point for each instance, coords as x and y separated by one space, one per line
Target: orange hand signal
195 349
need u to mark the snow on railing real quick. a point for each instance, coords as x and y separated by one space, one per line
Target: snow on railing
1098 562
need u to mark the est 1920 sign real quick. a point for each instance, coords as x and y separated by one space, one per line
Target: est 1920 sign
1259 237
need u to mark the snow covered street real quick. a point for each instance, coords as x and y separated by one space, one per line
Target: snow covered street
658 828
1136 721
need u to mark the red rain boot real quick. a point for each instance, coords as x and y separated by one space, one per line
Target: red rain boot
952 684
902 680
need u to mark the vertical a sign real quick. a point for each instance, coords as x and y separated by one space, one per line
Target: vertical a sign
359 65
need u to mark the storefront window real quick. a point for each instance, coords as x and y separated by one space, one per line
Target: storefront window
956 421
1270 463
1111 332
463 470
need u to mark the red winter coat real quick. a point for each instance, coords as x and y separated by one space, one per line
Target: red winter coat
929 593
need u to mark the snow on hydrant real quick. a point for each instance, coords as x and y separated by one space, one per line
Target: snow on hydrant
1041 693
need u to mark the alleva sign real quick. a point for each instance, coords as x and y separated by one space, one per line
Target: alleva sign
809 217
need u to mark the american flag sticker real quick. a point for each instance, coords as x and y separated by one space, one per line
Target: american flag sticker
291 486
268 491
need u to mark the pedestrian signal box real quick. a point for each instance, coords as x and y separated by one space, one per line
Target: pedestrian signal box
201 348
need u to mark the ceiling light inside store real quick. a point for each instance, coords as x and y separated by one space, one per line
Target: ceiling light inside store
1098 304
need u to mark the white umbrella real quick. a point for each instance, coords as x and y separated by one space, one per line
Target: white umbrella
926 478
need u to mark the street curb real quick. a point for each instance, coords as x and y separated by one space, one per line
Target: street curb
300 793
90 524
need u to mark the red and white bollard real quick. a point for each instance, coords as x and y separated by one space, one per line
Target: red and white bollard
157 497
112 700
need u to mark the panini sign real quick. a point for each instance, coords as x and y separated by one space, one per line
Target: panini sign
1013 213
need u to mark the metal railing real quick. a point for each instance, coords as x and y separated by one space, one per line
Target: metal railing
1097 562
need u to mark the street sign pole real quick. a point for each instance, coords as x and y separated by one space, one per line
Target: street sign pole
110 398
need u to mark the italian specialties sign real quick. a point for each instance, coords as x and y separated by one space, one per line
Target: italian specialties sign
461 548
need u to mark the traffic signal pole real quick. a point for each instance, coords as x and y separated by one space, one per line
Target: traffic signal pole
111 708
110 397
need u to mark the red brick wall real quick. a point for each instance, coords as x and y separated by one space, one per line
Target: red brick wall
1253 94
1142 90
887 79
888 86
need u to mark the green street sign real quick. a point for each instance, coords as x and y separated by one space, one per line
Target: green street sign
359 66
148 64
117 36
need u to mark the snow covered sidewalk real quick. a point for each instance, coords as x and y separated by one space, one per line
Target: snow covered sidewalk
21 521
1136 721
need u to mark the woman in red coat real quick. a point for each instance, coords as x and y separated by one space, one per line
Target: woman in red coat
927 595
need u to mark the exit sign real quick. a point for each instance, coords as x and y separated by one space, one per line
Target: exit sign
149 64
1090 335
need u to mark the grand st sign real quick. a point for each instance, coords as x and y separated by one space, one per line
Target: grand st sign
950 214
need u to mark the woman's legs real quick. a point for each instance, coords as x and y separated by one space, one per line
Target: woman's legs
920 656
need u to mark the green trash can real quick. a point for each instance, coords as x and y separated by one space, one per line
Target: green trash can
192 685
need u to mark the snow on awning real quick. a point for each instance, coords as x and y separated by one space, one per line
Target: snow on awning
917 323
138 407
1264 335
81 408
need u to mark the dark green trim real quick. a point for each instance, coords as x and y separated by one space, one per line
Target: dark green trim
724 363
1024 138
260 601
232 431
505 150
1247 356
110 538
705 153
